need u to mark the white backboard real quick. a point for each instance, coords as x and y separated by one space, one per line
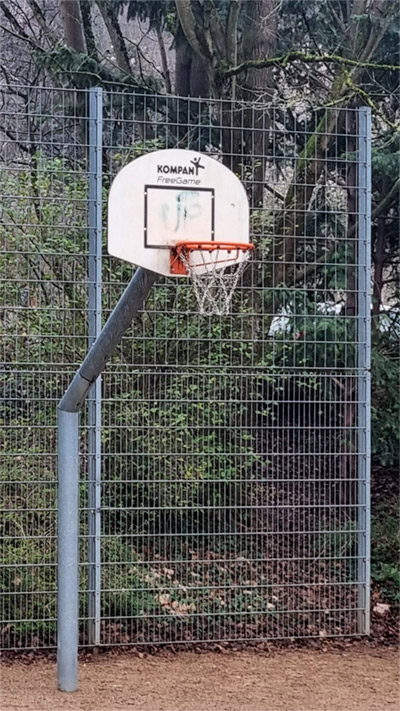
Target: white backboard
171 195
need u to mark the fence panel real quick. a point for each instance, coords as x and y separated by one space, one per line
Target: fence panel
44 335
234 464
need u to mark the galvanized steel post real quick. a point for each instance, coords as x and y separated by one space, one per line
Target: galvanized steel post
68 554
68 471
364 365
94 398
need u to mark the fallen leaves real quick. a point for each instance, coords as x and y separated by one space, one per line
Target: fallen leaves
175 607
381 608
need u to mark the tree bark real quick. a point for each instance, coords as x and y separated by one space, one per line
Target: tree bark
191 78
114 31
183 63
378 259
259 42
199 83
88 30
164 60
73 26
194 34
201 35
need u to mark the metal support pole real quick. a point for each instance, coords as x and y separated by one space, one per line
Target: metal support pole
129 304
94 399
364 365
68 471
68 554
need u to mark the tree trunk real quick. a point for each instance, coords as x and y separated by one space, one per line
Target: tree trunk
199 82
259 42
88 30
378 258
194 24
73 26
183 63
164 60
191 77
111 22
190 80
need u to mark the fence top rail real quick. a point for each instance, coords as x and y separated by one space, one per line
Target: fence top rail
127 91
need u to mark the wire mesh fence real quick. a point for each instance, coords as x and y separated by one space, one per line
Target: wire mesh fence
224 460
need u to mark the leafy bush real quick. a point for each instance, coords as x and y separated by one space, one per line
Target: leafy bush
385 546
385 408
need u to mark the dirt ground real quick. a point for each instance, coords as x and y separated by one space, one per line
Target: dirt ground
301 680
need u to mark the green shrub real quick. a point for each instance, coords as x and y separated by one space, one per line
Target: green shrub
385 546
385 409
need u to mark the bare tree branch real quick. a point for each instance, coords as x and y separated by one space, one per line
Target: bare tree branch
387 200
18 32
41 20
296 56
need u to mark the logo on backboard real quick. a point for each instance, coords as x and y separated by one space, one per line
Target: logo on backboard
181 169
197 164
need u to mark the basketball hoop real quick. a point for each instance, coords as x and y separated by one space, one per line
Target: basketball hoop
176 225
214 268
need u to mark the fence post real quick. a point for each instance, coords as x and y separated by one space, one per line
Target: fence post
364 365
94 398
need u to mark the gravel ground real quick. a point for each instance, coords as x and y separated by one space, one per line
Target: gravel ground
360 679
